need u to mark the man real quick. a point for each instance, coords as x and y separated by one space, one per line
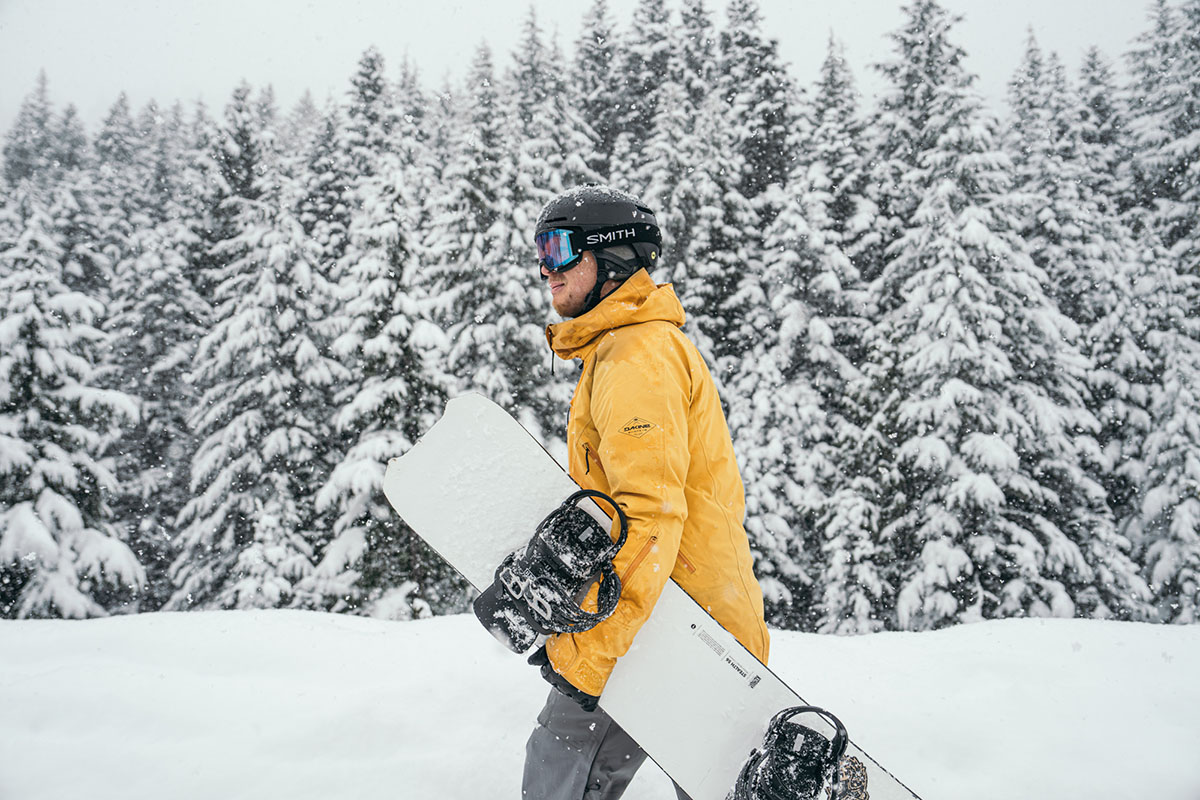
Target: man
646 428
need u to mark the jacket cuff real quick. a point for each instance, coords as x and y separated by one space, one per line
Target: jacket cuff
568 662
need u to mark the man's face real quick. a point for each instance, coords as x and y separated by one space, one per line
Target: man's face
569 290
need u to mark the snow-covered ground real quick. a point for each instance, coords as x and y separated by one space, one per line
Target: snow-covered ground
298 705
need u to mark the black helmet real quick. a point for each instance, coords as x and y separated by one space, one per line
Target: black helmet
621 232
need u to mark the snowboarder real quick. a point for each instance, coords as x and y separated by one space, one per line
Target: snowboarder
647 428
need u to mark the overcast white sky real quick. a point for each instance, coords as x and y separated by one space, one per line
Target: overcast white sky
187 49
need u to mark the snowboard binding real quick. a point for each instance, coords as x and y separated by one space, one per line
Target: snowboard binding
795 762
537 590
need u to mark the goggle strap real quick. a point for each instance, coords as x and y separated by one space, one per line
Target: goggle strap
615 235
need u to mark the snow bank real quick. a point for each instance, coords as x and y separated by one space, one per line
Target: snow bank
298 705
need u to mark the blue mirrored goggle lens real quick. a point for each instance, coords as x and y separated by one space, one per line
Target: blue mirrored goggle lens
554 249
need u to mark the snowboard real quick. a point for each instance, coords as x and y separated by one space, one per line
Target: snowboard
475 487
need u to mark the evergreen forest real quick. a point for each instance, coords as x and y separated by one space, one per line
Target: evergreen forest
959 346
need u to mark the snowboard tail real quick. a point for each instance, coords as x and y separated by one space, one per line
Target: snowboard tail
475 488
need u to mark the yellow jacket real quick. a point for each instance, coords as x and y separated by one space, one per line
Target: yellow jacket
647 428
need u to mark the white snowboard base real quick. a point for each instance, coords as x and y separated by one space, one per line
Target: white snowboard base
475 488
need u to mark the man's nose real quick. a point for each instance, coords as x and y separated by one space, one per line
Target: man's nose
545 272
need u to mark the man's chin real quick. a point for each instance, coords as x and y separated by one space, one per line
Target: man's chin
565 310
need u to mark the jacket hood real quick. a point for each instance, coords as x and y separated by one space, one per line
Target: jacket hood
639 299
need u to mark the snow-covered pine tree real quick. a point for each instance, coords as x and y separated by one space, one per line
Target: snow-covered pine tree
595 81
60 554
476 289
118 145
411 135
42 147
182 169
696 51
301 126
1117 340
554 143
1118 330
126 175
229 175
985 500
1077 239
395 387
251 529
835 159
155 321
370 114
1168 533
747 122
1102 125
239 153
248 536
1153 100
810 250
1178 215
273 160
898 129
690 178
642 63
77 200
441 123
780 427
663 177
122 178
105 206
831 185
755 84
835 145
29 144
186 182
677 185
70 150
324 209
411 102
160 135
805 279
725 282
1163 96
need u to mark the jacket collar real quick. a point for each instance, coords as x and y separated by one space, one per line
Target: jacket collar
635 301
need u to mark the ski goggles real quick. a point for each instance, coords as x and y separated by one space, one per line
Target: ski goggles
559 249
556 251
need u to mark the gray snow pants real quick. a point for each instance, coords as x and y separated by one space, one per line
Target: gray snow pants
576 755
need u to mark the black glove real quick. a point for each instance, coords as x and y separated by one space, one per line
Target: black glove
540 660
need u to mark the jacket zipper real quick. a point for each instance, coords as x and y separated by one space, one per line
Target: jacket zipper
686 564
639 558
587 460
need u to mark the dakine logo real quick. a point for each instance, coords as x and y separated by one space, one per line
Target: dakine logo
755 681
637 427
610 237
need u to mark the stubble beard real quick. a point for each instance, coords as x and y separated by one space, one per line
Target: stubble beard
566 309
